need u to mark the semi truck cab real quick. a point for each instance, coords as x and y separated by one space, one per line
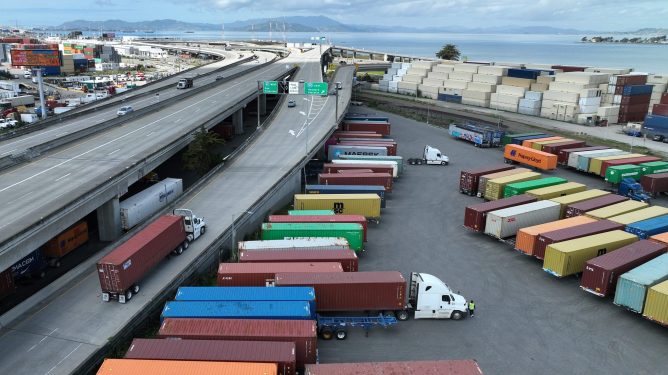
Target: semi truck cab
184 83
195 226
433 155
431 298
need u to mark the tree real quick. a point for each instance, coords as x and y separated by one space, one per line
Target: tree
584 39
199 156
448 52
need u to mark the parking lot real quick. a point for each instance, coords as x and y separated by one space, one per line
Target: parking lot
527 321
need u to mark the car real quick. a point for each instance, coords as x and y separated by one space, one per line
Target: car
124 110
292 103
301 81
27 74
665 140
218 78
658 138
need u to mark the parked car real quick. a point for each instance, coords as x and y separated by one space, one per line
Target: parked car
292 103
124 110
658 138
218 78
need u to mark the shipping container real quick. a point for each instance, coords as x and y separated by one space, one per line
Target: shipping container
656 307
555 148
379 179
615 174
475 216
348 258
570 199
379 127
157 367
367 205
356 171
398 159
556 191
564 154
264 274
539 145
584 159
569 257
482 182
494 188
639 160
348 189
390 145
508 138
579 231
351 291
7 286
653 167
354 233
596 164
581 208
302 332
616 209
358 219
530 142
663 238
278 310
443 367
517 188
335 151
527 238
647 228
601 273
339 135
310 212
384 163
506 222
639 215
67 241
280 353
245 293
328 243
468 179
524 155
141 206
574 157
655 183
632 286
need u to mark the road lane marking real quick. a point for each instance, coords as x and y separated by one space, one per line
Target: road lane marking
64 358
8 152
115 151
60 178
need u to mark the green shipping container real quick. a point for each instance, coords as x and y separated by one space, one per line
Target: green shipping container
522 187
653 167
578 197
367 205
615 174
354 233
509 137
310 212
494 188
556 191
640 215
616 209
569 257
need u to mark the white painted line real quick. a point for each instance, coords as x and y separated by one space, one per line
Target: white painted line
115 151
60 178
8 152
59 134
64 358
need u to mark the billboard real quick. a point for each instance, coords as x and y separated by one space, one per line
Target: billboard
33 57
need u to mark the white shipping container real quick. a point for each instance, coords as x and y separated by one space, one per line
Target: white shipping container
608 111
582 77
617 99
506 222
510 64
454 84
407 85
570 87
397 78
586 118
29 117
424 89
503 106
391 163
510 90
393 89
396 65
529 111
545 79
405 65
659 88
476 102
482 87
539 87
533 95
504 99
427 65
470 68
595 101
588 109
530 103
142 205
330 243
654 79
573 157
590 93
478 95
438 75
568 97
519 82
493 70
417 72
443 68
461 76
402 72
433 82
412 78
487 78
393 84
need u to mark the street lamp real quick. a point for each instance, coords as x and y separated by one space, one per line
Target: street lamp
234 233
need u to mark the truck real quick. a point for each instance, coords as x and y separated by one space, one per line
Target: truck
479 135
184 83
121 270
524 155
142 205
430 155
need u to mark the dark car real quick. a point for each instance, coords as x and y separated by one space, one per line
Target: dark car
218 78
658 138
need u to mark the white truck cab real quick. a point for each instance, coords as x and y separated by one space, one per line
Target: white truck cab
195 226
433 155
431 298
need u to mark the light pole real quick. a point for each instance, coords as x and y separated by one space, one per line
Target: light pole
233 256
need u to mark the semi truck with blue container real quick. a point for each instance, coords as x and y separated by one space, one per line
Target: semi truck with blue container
246 293
348 189
280 310
479 135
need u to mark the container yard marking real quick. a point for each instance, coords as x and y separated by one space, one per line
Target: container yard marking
43 338
115 151
64 358
61 177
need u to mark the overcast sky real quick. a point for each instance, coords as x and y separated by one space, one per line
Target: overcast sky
613 15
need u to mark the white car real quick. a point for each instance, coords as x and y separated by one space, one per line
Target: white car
7 123
124 110
27 74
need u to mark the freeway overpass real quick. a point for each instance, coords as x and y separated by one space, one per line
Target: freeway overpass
73 328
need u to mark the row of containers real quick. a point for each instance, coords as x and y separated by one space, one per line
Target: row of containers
617 245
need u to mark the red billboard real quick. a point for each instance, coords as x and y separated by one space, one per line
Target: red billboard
33 57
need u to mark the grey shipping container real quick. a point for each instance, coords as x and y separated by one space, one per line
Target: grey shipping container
142 205
336 150
506 222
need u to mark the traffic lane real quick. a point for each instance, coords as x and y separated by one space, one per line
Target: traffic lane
527 321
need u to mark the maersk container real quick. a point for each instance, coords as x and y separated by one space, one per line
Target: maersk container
506 222
573 157
601 273
475 216
653 167
636 161
656 306
329 243
354 233
280 353
149 367
338 150
348 258
379 179
582 207
569 199
564 154
311 212
367 205
650 227
522 187
398 159
596 164
482 183
359 219
569 257
375 163
640 215
441 367
284 310
616 174
633 285
527 238
585 158
469 178
579 231
389 144
616 209
494 188
139 207
348 189
655 183
264 274
245 293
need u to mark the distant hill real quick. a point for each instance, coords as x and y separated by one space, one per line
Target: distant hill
120 25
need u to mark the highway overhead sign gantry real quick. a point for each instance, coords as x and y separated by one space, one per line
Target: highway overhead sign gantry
315 88
270 87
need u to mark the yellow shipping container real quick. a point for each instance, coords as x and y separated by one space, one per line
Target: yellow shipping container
578 197
656 304
569 257
494 188
640 215
556 191
595 164
367 205
616 209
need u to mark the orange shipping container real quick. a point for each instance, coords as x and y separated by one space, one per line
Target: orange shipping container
524 155
663 237
527 238
67 241
160 367
529 142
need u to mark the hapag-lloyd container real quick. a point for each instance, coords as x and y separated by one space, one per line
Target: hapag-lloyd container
280 353
656 306
655 183
650 227
264 274
380 179
569 257
302 332
494 188
640 215
245 293
633 285
556 191
527 238
522 187
349 204
616 174
348 259
353 232
601 273
482 182
582 207
524 155
469 179
359 219
475 216
506 222
347 189
285 310
329 243
578 197
571 233
616 209
154 367
444 367
564 154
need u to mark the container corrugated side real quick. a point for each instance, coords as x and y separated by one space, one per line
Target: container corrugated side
640 215
367 205
482 181
616 209
569 199
248 293
527 238
656 306
469 178
310 212
596 164
263 274
353 232
578 231
650 227
330 243
522 187
443 367
574 156
348 258
506 222
582 207
475 215
557 191
155 367
632 286
286 310
494 188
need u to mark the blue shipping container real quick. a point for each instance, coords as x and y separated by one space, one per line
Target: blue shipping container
631 90
523 73
519 140
246 293
348 189
656 123
647 228
450 98
32 265
632 286
366 118
282 310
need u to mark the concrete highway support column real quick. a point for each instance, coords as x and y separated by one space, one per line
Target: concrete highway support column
238 121
109 220
263 104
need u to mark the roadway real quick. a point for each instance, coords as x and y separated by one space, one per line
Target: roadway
57 337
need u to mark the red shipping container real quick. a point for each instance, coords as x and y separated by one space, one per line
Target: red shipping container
580 208
444 367
614 162
7 286
355 171
352 291
633 103
469 179
390 146
660 109
475 216
264 274
378 179
655 183
632 117
569 68
348 258
548 238
375 168
380 128
281 353
562 157
358 219
601 273
554 148
631 79
352 135
664 98
301 332
128 263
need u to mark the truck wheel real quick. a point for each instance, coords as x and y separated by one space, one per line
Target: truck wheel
444 163
341 334
128 295
56 264
326 334
135 288
424 161
186 244
105 297
41 274
179 250
401 315
456 315
202 230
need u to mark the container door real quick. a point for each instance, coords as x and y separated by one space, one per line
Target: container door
445 307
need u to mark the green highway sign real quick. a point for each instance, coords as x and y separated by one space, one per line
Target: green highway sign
315 88
270 87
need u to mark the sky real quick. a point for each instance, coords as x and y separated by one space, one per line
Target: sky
608 15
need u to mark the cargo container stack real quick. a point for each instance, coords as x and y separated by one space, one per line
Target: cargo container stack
469 180
483 85
531 103
562 100
655 183
413 79
401 69
507 96
458 81
634 102
657 121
